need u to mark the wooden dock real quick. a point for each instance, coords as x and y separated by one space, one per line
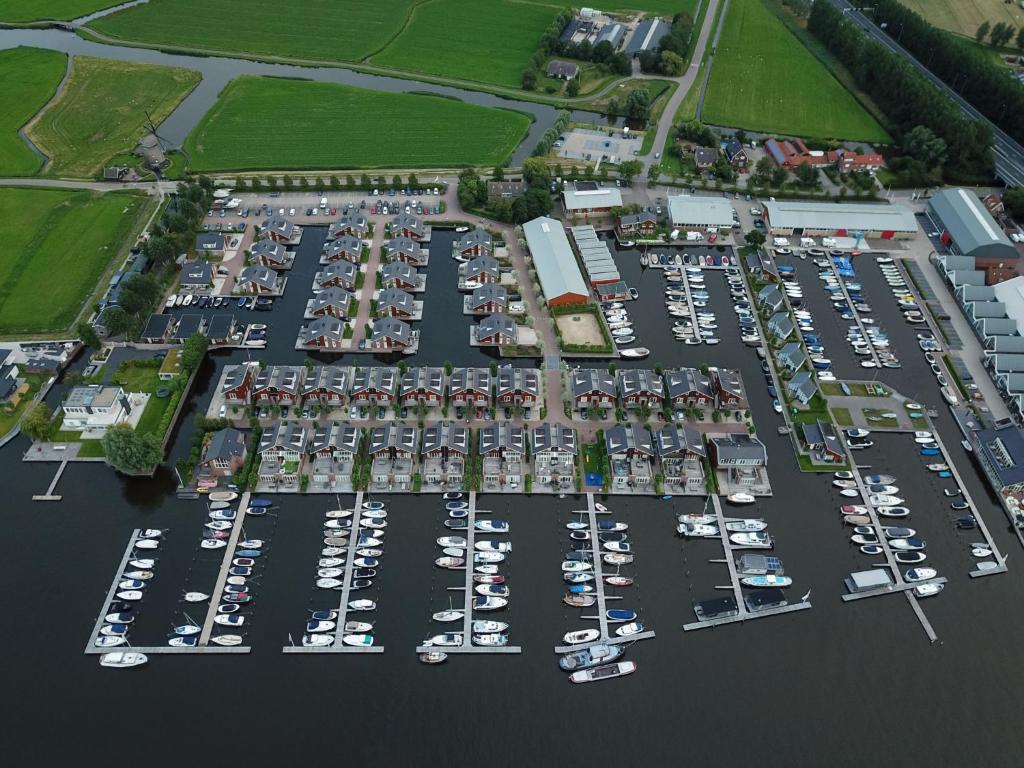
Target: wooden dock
467 646
129 551
892 589
50 495
225 566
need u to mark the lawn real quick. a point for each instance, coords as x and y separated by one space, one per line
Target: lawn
57 245
102 112
11 414
28 79
323 30
61 10
965 16
339 126
490 41
764 79
664 8
140 376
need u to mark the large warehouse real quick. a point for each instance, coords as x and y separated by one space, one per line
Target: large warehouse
597 259
968 229
557 270
688 212
800 217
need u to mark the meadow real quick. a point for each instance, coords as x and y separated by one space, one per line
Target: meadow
60 10
28 79
57 245
764 79
323 30
102 112
488 41
965 16
270 123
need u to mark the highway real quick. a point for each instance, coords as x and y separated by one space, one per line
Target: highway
1008 154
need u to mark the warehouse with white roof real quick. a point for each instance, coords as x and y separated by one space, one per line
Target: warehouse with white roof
586 197
597 259
690 212
801 217
557 271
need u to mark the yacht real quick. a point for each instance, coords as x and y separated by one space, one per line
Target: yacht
123 659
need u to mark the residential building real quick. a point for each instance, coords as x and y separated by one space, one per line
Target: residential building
503 450
221 329
325 333
331 302
95 407
505 190
780 326
559 275
475 243
407 225
353 224
1000 452
792 153
728 387
390 333
704 157
802 387
689 388
822 442
479 270
337 274
443 452
282 449
332 452
237 382
210 243
423 385
968 229
487 300
792 357
223 455
279 385
735 154
770 298
647 36
597 259
741 457
517 387
406 249
281 230
375 385
638 224
259 280
554 448
394 302
392 451
12 386
563 70
592 388
399 274
326 385
681 453
498 330
195 277
640 388
157 329
346 247
630 452
470 387
270 253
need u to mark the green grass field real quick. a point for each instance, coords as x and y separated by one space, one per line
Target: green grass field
57 244
764 79
338 126
965 16
663 8
28 79
324 30
102 112
489 41
60 10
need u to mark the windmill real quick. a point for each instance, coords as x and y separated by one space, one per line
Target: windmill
151 147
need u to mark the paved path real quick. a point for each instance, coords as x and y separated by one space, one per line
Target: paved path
369 282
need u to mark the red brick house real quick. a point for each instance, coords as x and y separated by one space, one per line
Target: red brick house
423 385
639 387
237 384
689 388
728 388
475 243
592 387
374 386
279 384
518 386
470 386
326 385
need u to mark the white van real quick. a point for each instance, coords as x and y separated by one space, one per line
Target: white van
807 242
673 234
780 242
828 242
323 202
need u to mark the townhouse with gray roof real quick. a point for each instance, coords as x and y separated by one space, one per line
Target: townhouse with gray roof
406 249
503 451
399 274
681 453
498 330
640 388
332 451
330 302
630 450
346 247
337 274
443 452
423 385
393 335
272 254
282 451
261 281
323 333
555 448
281 230
393 451
394 302
486 300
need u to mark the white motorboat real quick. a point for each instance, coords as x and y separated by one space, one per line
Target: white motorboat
147 544
250 544
697 530
938 467
449 615
223 496
740 526
373 505
488 557
892 511
317 641
920 574
635 353
330 562
844 483
213 544
219 525
122 617
481 627
447 639
450 562
454 552
140 575
196 597
329 573
740 498
884 500
581 636
338 514
617 558
109 641
333 551
697 519
145 564
576 566
577 525
488 603
317 626
229 619
630 629
766 581
605 672
114 630
452 541
123 659
131 595
374 514
358 627
857 432
360 640
226 640
489 545
850 493
329 583
756 540
928 590
490 640
187 629
369 552
362 605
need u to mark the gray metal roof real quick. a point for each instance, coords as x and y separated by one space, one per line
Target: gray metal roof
553 259
866 217
689 210
970 225
647 35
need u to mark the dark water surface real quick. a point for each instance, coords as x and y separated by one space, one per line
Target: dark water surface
840 685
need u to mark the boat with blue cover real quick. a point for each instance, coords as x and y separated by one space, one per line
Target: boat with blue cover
620 615
260 502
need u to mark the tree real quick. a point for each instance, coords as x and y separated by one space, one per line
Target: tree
116 321
1013 199
37 424
1020 38
193 350
638 104
763 170
536 172
922 144
139 293
982 32
807 175
128 451
413 180
499 173
614 107
159 250
629 169
671 64
529 81
572 88
364 181
779 176
472 191
396 181
755 238
88 334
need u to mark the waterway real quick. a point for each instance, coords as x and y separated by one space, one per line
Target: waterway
219 71
841 684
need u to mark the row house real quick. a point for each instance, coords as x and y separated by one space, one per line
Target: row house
741 458
497 330
327 333
270 253
681 452
443 452
470 387
392 450
475 243
279 385
554 448
281 231
407 225
375 385
630 450
282 449
354 224
423 386
345 248
237 383
391 334
331 302
592 388
326 385
394 302
487 300
517 387
479 270
399 274
503 450
639 387
259 281
332 452
337 274
728 388
406 249
689 388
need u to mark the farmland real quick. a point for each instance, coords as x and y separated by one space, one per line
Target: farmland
461 38
764 79
324 30
57 246
965 16
60 10
28 79
102 112
339 126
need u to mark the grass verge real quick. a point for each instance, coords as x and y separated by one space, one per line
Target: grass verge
28 79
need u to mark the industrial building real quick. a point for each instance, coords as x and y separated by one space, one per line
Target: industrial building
968 229
801 217
689 212
586 197
560 279
647 36
597 259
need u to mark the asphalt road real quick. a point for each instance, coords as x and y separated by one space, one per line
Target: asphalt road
1009 155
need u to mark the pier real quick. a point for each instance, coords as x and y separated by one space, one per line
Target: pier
50 495
225 566
467 646
854 310
735 586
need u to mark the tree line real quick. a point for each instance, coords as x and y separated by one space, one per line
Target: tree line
904 94
999 34
985 83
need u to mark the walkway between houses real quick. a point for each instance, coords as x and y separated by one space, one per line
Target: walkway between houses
369 284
